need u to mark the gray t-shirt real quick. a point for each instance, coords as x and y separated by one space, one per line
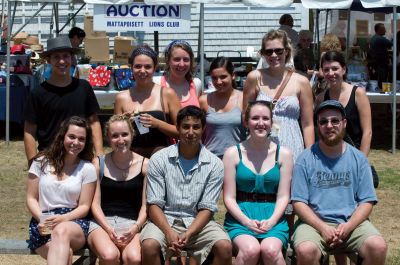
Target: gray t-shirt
332 187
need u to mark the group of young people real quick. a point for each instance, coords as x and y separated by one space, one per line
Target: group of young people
174 150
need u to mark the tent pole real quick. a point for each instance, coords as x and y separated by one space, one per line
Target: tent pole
29 20
326 20
348 35
72 17
13 16
2 12
8 76
51 22
201 44
56 18
394 78
156 43
317 31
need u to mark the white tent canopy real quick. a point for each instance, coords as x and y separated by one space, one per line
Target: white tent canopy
311 4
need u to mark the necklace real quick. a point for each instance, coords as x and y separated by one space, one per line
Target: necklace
125 171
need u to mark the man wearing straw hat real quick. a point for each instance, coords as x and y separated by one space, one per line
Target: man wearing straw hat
58 98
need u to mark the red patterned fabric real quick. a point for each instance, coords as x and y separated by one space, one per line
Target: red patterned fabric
99 76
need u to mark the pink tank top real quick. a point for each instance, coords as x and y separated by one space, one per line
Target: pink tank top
192 100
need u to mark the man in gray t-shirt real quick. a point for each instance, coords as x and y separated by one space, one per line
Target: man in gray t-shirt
333 195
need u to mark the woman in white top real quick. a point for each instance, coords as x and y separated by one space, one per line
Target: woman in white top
294 103
62 182
179 59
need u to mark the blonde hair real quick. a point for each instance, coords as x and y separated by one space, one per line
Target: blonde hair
119 117
277 34
330 42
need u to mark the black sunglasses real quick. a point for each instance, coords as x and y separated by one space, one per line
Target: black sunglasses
333 121
278 51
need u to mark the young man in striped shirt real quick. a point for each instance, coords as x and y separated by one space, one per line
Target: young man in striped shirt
183 186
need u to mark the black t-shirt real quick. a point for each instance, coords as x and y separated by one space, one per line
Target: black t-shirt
49 105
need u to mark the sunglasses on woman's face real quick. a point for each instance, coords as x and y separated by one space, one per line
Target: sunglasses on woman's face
278 51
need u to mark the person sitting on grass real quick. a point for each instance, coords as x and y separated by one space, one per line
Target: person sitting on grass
61 183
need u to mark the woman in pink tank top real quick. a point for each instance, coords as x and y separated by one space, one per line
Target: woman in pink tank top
178 75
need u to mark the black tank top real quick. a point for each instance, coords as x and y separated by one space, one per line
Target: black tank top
154 138
122 198
353 127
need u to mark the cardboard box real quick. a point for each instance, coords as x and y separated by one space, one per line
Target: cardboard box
21 36
123 47
97 48
88 27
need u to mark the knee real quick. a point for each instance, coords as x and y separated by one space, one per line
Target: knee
374 247
249 251
150 247
307 251
60 233
132 257
109 255
223 249
271 251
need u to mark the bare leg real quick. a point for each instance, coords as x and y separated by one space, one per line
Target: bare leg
131 254
373 251
271 251
151 252
104 247
222 250
248 250
64 236
308 253
43 250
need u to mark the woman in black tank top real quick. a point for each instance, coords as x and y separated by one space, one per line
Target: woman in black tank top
153 108
119 204
354 99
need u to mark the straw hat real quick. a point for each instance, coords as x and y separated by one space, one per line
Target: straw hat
35 56
37 47
58 44
31 40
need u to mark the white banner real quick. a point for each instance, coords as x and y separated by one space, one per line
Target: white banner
141 17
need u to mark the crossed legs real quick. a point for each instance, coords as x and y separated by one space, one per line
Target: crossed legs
66 237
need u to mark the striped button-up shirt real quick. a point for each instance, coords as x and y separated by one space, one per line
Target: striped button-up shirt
182 196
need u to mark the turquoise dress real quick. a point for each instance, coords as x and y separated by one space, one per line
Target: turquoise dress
248 181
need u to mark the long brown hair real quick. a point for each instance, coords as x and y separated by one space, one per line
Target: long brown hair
54 155
184 45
